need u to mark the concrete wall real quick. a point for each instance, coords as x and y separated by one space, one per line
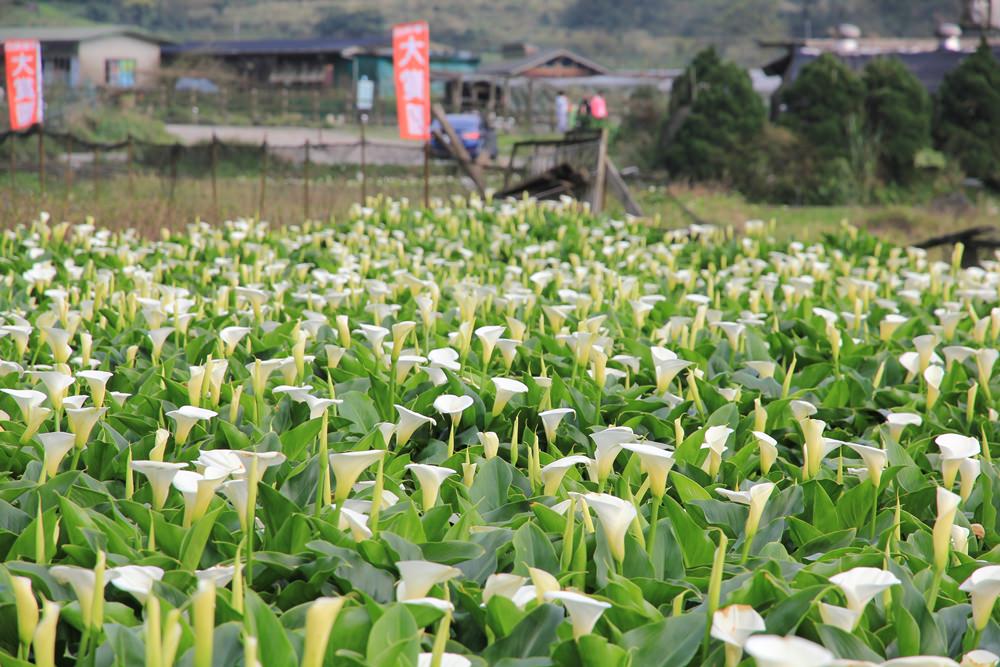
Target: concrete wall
95 52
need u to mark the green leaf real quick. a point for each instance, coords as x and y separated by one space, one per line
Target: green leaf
272 642
672 641
393 641
533 636
532 548
845 645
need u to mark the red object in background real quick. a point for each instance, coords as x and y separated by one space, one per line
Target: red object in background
411 60
23 62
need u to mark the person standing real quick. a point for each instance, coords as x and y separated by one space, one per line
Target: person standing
599 109
562 112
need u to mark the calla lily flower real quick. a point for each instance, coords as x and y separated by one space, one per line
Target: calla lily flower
447 660
608 443
802 410
616 515
430 477
418 577
980 658
756 497
505 390
764 369
656 463
320 618
897 421
955 448
135 579
409 421
220 575
58 340
960 539
348 466
238 493
551 420
768 451
861 584
553 473
83 582
734 625
55 445
490 442
947 506
925 350
185 417
56 385
839 617
82 422
776 651
969 470
983 587
508 350
934 375
198 490
584 611
158 337
715 442
231 337
489 336
453 406
97 382
875 461
502 584
160 475
264 460
815 448
27 609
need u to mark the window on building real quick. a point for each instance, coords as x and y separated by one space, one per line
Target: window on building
120 72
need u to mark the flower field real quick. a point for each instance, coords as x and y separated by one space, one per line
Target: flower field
503 434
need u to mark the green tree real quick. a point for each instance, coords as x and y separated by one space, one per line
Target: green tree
897 117
714 115
967 123
823 105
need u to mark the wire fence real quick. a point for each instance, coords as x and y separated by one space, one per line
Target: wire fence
149 185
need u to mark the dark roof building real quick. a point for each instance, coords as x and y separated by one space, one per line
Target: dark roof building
929 59
548 63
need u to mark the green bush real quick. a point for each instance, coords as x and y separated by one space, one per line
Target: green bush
897 118
967 123
718 113
823 105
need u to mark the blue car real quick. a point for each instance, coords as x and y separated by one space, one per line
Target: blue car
468 127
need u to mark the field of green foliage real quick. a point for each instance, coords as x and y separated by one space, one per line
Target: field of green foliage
494 433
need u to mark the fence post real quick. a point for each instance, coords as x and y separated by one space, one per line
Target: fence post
253 106
215 187
284 102
305 192
427 175
69 163
41 161
263 181
315 101
129 156
364 167
13 161
97 171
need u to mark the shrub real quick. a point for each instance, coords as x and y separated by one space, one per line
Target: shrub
718 114
897 118
967 124
823 105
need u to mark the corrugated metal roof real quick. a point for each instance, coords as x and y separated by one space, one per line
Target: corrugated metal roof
76 33
521 65
929 67
276 46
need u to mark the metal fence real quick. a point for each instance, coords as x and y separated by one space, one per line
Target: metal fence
150 185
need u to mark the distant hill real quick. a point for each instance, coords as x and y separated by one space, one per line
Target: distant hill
624 33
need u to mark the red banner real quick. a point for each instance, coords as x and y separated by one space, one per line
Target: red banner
411 66
23 62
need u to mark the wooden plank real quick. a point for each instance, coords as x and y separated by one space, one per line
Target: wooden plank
457 149
597 187
618 188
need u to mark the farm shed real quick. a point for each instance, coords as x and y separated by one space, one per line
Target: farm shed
104 56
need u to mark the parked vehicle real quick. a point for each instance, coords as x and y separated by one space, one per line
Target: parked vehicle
470 130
